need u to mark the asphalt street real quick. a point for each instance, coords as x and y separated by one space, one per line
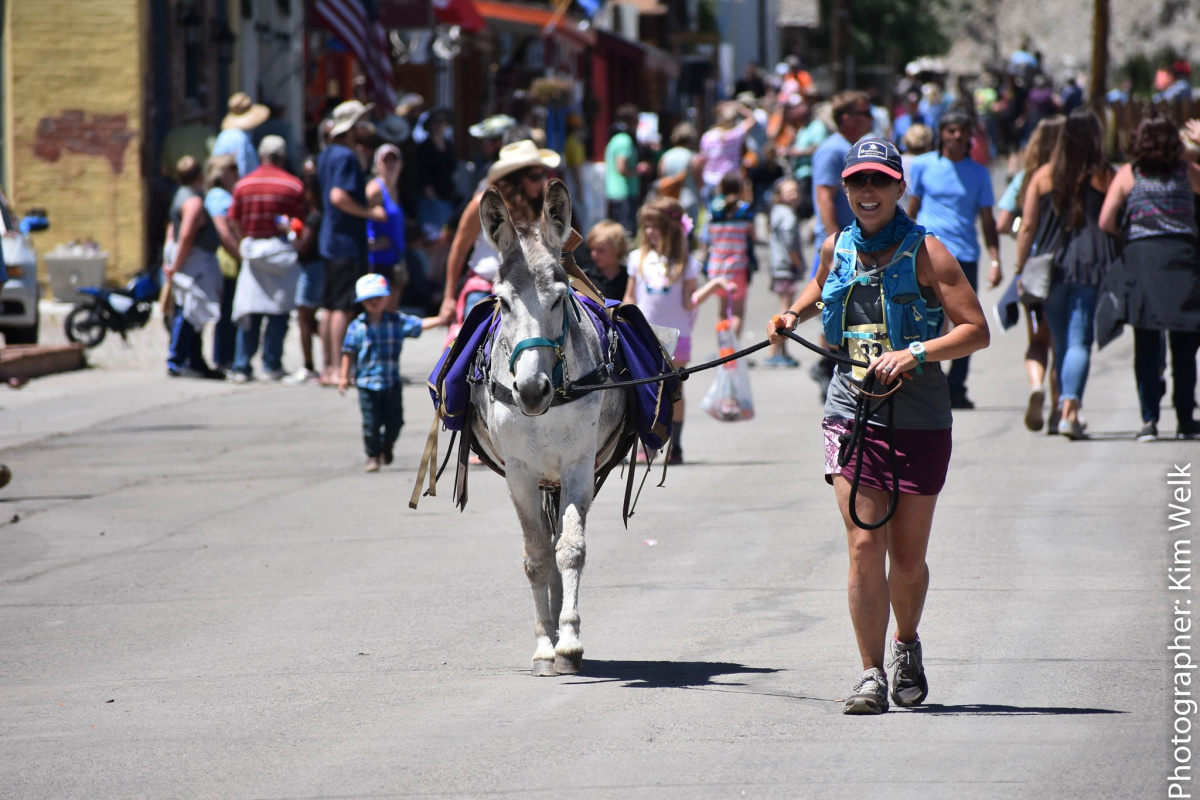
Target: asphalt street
203 595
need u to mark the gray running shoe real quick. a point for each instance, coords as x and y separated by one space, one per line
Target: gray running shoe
909 687
870 695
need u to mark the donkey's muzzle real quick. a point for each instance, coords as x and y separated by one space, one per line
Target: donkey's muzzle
534 396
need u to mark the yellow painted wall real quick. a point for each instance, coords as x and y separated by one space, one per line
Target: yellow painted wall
74 69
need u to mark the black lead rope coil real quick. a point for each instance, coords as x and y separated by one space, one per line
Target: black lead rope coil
863 411
849 442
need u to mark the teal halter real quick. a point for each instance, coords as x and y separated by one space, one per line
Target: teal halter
538 341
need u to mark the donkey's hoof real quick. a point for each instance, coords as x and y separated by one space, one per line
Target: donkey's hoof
545 669
568 665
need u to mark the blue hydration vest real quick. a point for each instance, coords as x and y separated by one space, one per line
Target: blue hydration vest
906 314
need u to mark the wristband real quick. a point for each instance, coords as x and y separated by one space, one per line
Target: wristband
793 313
995 263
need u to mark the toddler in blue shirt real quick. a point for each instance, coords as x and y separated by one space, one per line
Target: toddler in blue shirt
372 344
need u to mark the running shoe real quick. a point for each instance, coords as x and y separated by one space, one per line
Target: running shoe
870 695
909 687
1148 433
1188 429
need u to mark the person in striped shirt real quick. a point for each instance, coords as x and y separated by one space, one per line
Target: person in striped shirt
729 242
260 200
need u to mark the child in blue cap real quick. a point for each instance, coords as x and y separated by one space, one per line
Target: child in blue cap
372 344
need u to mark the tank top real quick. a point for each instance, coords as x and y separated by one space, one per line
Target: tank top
393 229
485 259
1160 205
923 403
1089 250
207 237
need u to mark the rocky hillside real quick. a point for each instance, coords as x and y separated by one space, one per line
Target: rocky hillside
1062 29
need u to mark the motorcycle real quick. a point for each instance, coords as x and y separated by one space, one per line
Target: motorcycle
118 310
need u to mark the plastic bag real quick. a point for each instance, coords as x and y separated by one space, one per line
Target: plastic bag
729 399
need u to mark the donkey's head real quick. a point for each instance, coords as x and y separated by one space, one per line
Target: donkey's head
533 292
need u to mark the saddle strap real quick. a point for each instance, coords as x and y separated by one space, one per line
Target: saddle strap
428 464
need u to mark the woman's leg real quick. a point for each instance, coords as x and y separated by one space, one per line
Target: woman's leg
908 573
1036 360
1077 359
873 589
1183 376
1146 346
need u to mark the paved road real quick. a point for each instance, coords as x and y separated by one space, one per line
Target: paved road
202 595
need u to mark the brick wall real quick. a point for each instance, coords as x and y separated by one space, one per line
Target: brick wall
75 110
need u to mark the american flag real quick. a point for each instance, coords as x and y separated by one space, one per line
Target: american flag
357 26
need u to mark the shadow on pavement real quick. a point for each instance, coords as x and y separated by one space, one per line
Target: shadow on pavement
664 674
990 710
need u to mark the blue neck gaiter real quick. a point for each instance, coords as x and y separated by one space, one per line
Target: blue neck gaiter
893 232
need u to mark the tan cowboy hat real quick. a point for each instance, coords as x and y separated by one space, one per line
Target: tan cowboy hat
244 113
521 155
347 115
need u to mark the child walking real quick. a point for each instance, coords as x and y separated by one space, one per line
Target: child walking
609 251
787 263
663 285
372 344
730 242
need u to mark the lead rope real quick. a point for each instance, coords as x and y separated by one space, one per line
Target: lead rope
852 441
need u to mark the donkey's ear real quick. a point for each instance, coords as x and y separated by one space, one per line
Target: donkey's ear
497 224
556 214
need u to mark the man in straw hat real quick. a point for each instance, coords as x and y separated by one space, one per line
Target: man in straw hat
343 238
244 116
520 175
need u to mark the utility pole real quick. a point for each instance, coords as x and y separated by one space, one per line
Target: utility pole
1099 78
840 15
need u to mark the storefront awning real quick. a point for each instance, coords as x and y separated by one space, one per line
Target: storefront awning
565 26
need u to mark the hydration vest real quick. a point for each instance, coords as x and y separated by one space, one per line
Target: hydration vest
908 317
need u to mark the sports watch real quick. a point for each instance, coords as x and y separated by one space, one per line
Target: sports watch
918 352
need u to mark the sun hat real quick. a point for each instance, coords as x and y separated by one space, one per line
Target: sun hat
878 155
347 115
272 146
493 127
393 129
520 155
408 103
244 113
371 285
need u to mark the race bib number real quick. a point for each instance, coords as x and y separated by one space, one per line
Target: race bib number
868 350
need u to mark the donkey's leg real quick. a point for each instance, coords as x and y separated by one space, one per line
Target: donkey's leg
538 557
570 552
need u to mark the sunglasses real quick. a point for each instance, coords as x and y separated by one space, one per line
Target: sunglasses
877 179
536 175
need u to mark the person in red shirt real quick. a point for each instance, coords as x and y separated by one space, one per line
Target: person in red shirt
264 204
